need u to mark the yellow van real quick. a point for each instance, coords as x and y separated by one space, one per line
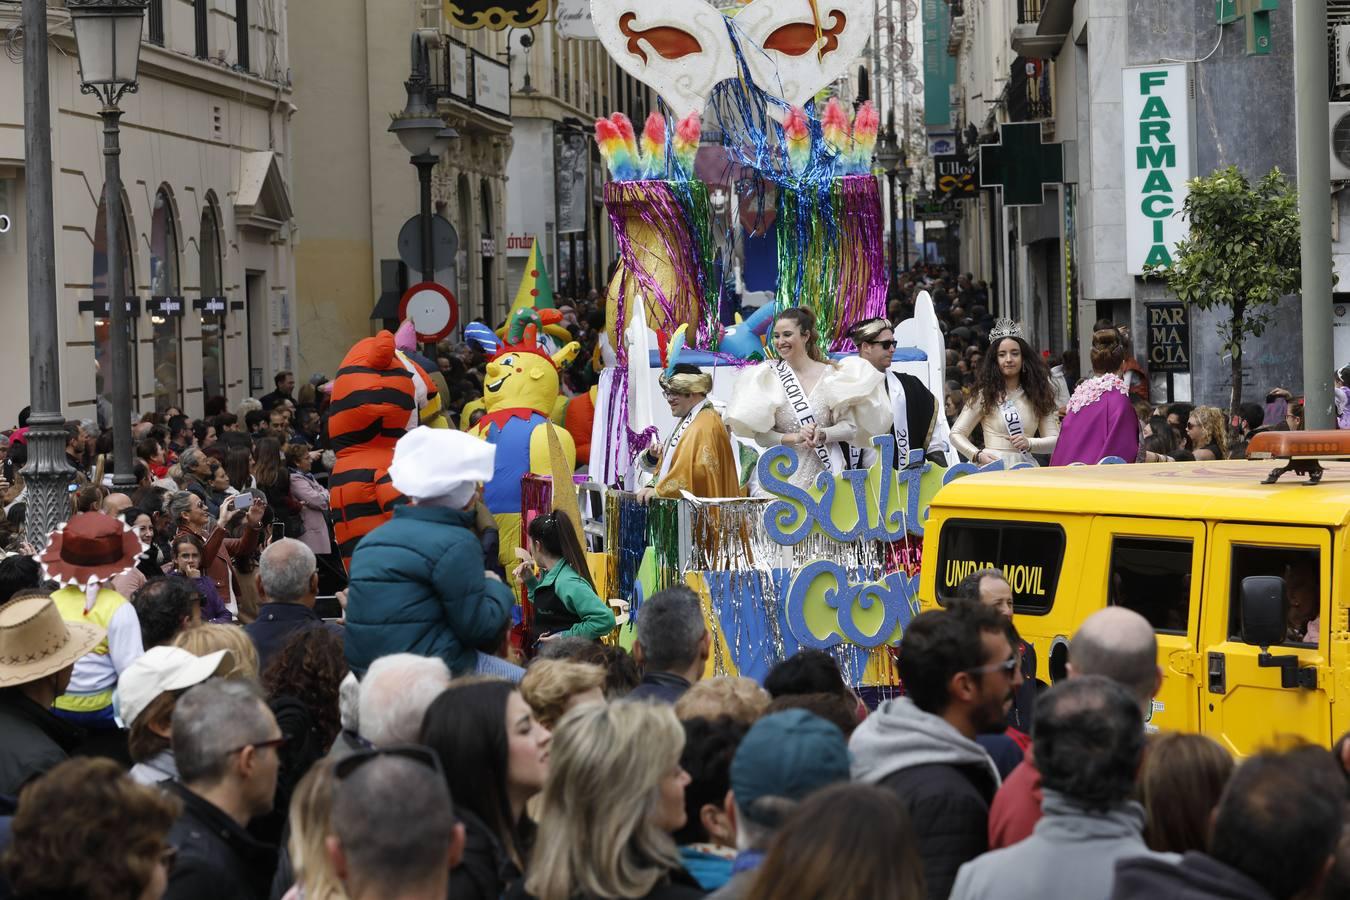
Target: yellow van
1244 580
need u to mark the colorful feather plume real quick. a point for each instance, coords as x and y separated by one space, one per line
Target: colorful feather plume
630 144
654 147
837 129
797 132
865 128
687 133
612 150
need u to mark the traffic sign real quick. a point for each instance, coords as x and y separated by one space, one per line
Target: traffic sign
444 244
433 309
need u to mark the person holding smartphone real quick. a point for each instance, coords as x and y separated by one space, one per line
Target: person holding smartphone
188 514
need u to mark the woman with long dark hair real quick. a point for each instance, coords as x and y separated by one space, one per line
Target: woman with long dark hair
562 593
807 401
495 757
1013 403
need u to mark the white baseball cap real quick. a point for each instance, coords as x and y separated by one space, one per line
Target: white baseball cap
162 669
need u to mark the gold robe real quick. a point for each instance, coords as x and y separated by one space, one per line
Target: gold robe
704 463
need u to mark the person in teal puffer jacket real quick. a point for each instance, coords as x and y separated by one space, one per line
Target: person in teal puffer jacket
563 595
417 582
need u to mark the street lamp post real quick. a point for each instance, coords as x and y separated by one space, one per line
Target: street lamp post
921 197
46 472
426 137
903 177
108 40
888 157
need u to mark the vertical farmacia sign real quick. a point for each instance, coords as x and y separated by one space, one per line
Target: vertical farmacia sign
1159 138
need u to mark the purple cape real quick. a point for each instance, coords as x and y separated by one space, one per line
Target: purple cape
1108 426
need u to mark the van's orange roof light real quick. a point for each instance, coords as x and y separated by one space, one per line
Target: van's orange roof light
1302 450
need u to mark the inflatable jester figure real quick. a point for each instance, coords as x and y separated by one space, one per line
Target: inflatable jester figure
520 392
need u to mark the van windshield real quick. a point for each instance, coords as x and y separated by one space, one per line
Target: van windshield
1029 554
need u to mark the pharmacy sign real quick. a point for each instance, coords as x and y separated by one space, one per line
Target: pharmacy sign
1159 138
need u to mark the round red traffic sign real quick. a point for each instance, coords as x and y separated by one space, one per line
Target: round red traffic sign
433 309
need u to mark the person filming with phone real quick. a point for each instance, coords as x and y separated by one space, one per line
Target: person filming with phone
188 514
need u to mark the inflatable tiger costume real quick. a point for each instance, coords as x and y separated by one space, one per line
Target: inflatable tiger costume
379 394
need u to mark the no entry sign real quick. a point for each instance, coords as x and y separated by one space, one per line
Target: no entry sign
433 309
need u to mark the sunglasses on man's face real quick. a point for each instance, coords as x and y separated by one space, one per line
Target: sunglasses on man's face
885 345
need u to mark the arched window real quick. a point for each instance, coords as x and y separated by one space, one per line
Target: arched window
166 304
213 306
102 326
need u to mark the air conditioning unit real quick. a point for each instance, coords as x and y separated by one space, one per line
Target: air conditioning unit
1339 128
1341 69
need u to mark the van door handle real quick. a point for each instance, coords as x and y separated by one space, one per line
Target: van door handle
1217 673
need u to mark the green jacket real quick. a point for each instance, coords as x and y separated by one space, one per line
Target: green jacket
591 616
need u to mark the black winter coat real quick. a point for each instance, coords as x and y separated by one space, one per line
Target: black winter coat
486 870
217 859
32 740
949 807
1197 877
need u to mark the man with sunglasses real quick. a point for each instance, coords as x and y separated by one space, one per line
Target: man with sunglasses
430 841
698 455
919 423
959 669
225 743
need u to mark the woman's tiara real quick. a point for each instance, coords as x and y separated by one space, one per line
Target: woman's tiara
1006 328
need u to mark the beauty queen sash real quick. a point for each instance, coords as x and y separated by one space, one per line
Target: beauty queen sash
668 453
1008 410
830 456
860 457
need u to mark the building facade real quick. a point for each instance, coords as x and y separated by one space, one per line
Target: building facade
205 166
560 85
358 188
1075 67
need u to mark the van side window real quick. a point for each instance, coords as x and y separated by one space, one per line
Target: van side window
1152 576
1301 571
1030 555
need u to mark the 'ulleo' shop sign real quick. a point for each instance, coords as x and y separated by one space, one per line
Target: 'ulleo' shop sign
1159 160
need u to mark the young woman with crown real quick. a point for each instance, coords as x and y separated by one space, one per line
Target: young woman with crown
1014 403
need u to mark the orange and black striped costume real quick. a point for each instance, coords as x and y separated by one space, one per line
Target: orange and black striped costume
376 400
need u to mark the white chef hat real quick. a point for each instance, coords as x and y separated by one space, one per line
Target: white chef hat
441 465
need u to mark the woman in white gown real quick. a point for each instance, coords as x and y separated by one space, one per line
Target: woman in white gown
1014 403
806 401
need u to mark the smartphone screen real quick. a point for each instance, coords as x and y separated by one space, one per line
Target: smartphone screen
278 531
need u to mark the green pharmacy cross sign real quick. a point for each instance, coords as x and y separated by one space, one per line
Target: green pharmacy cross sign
1256 13
1021 164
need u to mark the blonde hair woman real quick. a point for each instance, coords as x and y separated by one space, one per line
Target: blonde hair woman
739 699
553 687
310 815
1208 433
207 639
615 767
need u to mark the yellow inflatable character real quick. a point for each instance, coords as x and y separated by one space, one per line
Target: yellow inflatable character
519 394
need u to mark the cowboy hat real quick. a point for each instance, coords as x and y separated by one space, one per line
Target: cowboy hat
89 547
36 642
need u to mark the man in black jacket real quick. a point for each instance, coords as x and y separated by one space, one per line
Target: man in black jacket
959 669
1274 836
225 743
38 650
